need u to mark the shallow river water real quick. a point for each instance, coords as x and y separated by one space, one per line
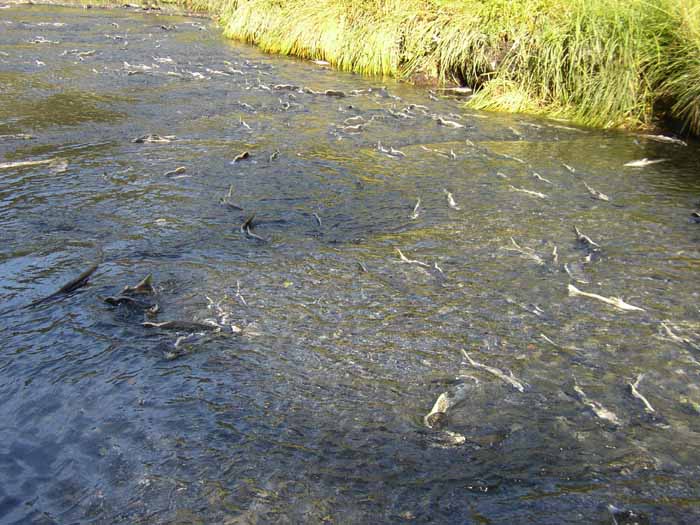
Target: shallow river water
308 404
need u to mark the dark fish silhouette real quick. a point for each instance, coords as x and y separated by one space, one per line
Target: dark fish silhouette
253 235
247 223
126 300
144 286
240 157
71 285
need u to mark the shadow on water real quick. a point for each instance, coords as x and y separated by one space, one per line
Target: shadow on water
307 406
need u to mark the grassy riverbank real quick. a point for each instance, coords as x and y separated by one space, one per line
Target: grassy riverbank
604 63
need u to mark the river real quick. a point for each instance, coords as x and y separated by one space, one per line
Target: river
308 404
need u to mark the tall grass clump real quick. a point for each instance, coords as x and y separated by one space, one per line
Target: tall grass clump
680 72
590 61
362 36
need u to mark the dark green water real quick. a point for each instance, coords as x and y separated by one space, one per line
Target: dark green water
313 412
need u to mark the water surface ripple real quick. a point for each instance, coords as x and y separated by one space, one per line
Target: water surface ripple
311 410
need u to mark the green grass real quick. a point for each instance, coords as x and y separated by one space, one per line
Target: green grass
680 72
603 63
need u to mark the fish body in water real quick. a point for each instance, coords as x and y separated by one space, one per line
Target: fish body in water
392 152
252 235
59 166
247 223
352 120
353 129
643 162
665 139
512 157
154 139
416 210
527 192
613 301
595 194
231 204
144 286
71 285
598 409
627 517
382 92
529 253
449 123
437 417
451 201
458 91
126 300
677 338
79 281
586 241
17 136
541 178
152 311
177 171
226 199
42 40
334 93
24 163
246 229
439 152
575 272
634 390
286 87
400 114
181 325
241 156
508 378
405 259
185 339
138 68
